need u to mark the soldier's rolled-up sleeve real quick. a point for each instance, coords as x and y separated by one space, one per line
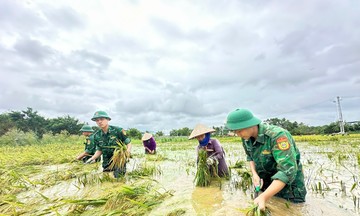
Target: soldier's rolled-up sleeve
286 163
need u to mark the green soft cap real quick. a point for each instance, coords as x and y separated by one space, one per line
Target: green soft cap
100 114
86 128
240 119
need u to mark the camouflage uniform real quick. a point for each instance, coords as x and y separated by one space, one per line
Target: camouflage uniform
106 142
276 157
90 148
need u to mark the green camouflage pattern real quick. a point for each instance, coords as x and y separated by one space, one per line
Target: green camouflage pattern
90 147
106 142
276 157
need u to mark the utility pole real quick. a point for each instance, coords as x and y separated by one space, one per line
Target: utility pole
341 120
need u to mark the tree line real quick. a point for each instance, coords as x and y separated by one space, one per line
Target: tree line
29 120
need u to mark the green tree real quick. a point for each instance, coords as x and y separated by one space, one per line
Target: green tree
332 128
6 123
133 133
180 132
29 120
159 134
174 132
70 124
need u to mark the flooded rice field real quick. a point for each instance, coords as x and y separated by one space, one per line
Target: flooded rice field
163 184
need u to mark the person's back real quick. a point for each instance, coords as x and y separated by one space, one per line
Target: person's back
272 145
149 143
273 157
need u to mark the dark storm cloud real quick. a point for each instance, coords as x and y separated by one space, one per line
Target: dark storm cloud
32 50
171 99
267 56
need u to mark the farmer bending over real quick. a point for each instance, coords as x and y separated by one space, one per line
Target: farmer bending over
273 156
149 143
215 152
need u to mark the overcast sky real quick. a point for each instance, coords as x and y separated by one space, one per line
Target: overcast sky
161 65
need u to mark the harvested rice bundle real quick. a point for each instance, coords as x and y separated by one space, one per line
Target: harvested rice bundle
203 176
255 211
120 156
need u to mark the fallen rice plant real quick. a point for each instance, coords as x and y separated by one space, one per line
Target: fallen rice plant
144 169
134 199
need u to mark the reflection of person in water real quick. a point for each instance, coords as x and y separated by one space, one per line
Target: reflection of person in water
206 200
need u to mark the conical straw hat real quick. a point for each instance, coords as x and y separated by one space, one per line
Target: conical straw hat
199 130
146 136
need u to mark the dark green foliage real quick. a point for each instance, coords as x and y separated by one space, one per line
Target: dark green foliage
133 133
29 120
70 124
296 128
180 132
159 134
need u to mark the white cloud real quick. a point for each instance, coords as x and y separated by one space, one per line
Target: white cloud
160 65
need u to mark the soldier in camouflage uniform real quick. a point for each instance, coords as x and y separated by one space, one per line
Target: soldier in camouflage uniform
105 140
273 156
89 144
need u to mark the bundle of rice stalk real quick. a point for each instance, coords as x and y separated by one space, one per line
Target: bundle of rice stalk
255 211
202 176
120 156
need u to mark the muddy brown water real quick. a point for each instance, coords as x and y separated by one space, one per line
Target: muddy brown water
337 174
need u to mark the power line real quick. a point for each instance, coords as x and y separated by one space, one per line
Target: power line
307 106
312 105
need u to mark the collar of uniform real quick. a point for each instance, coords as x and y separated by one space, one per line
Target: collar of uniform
110 128
261 134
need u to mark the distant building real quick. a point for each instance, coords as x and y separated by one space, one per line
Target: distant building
231 133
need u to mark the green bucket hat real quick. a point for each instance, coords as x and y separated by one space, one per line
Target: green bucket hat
100 114
86 128
240 119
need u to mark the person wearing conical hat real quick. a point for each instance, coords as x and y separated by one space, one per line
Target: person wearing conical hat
273 157
87 131
149 143
215 152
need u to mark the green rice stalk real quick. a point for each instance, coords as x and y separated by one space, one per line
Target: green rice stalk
254 210
202 176
120 156
214 170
